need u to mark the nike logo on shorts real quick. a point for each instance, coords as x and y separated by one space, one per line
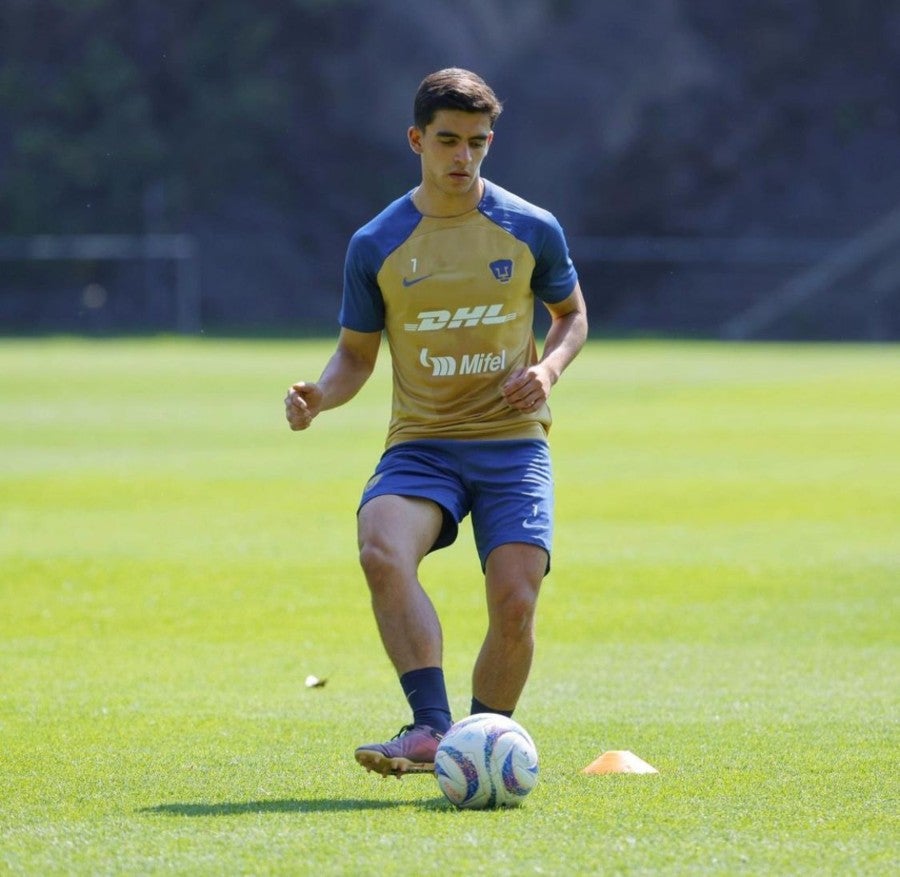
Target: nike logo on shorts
529 524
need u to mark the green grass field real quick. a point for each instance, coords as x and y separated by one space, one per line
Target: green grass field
174 562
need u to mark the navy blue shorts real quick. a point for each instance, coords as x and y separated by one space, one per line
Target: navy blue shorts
507 485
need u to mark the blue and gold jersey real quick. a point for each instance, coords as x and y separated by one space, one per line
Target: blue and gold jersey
455 299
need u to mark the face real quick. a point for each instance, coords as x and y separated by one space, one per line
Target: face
452 147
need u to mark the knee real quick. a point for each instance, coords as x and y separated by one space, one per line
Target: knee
514 576
380 563
374 560
512 613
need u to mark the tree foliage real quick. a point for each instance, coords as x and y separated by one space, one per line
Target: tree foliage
108 102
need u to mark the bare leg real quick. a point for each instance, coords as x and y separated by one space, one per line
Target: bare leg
395 533
513 579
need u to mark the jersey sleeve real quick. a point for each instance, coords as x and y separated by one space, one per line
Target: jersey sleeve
554 275
362 305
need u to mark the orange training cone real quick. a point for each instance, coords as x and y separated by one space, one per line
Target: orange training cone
619 761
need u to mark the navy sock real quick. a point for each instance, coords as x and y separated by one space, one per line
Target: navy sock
427 695
479 707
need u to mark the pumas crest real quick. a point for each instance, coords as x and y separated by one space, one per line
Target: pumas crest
502 270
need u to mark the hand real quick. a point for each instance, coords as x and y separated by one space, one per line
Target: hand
302 403
527 389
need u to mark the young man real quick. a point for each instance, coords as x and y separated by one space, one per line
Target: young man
450 273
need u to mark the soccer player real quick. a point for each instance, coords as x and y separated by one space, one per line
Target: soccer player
449 273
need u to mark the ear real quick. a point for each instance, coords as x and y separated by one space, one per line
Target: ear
414 136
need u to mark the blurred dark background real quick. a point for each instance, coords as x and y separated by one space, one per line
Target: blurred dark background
721 169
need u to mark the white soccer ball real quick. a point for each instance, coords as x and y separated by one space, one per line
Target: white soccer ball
486 760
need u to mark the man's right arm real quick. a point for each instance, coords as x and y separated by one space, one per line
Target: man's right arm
344 374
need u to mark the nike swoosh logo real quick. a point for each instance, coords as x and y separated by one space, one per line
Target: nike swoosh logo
528 525
415 280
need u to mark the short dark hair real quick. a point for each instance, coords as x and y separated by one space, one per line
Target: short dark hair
454 89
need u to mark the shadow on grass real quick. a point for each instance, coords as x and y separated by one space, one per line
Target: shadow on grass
287 805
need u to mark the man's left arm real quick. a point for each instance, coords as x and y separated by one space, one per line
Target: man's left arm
529 388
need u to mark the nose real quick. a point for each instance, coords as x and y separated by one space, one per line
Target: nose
463 154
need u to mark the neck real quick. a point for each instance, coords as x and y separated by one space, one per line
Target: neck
431 202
